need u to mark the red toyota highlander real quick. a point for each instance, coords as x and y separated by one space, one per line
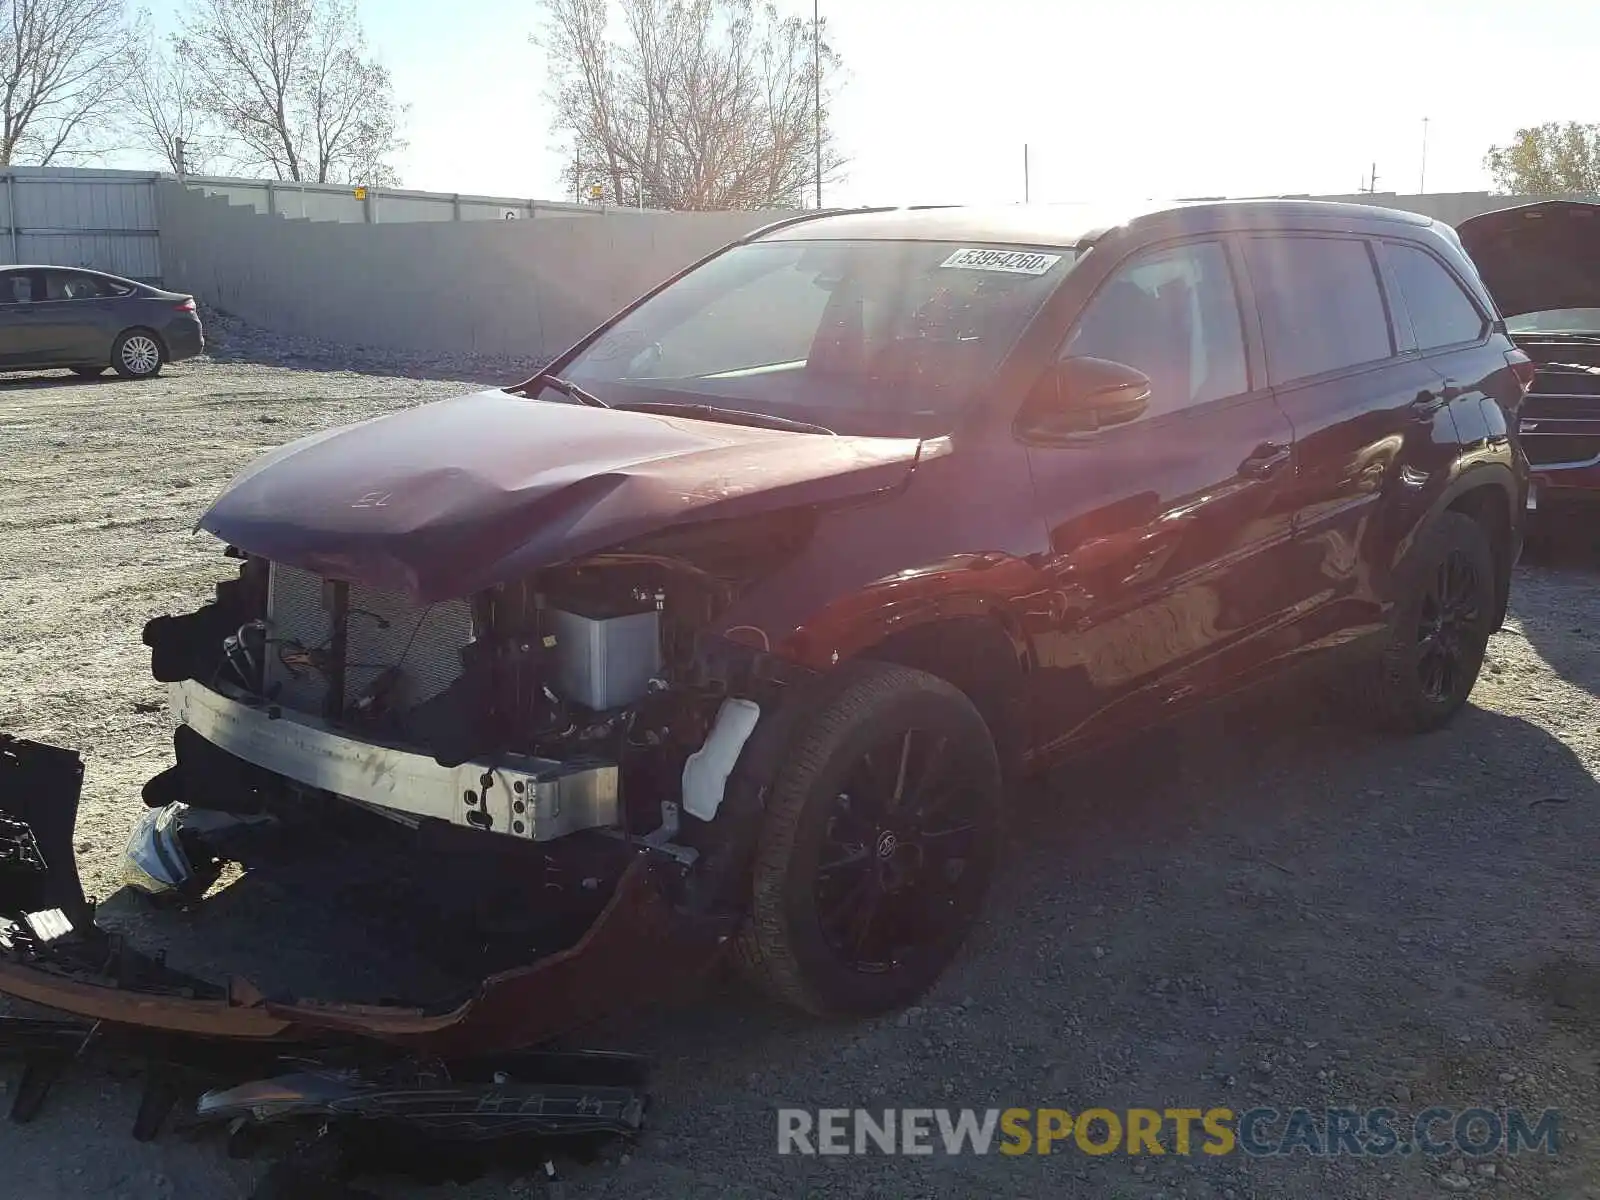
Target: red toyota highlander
728 628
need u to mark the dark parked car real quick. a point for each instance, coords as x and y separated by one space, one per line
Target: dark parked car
731 624
87 321
1542 264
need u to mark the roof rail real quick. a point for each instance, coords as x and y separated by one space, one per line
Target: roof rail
813 214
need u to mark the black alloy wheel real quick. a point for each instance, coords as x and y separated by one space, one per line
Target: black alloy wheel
896 849
880 830
1448 630
1445 601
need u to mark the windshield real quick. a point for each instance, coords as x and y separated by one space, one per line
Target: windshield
1557 320
866 337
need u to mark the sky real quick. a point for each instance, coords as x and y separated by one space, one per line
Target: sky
1134 99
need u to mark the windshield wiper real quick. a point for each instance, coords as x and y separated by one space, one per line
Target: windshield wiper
729 416
568 389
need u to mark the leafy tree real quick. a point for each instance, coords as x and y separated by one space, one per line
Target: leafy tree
689 104
1558 158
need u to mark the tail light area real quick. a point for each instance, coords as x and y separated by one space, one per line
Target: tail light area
1523 367
185 305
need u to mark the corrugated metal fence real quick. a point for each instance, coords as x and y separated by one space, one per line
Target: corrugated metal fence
381 206
110 220
81 218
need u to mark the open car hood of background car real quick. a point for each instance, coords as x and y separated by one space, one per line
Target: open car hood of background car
1537 257
448 498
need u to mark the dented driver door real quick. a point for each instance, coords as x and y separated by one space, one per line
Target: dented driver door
1170 535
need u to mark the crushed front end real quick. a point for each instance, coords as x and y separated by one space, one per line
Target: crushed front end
506 774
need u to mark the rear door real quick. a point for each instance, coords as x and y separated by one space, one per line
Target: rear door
1456 336
1364 405
76 315
1169 534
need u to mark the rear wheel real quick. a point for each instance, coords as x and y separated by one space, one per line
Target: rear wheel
880 837
89 372
1440 630
137 354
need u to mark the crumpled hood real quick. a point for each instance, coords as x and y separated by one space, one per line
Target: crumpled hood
448 498
1537 257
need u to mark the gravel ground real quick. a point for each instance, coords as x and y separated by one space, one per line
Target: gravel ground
1255 907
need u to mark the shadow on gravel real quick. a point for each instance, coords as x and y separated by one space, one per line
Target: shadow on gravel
1257 870
1222 793
31 382
1268 789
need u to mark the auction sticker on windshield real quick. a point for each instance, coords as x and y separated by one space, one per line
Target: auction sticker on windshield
1015 262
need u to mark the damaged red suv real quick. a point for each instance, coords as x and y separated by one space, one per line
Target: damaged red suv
728 629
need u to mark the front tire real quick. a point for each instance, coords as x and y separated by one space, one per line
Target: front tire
879 840
137 354
1440 630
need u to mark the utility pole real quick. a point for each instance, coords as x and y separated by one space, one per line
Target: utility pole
177 155
1025 190
816 72
1372 181
1422 176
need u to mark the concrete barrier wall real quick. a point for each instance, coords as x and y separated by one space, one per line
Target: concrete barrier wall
523 288
518 288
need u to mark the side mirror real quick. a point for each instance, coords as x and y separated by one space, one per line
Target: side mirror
1081 395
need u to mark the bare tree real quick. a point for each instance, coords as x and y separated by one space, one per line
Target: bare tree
162 109
696 104
1558 158
292 87
62 66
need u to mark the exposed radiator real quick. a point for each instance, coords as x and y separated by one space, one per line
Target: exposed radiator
382 630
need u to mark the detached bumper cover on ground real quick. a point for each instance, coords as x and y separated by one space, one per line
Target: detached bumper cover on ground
51 953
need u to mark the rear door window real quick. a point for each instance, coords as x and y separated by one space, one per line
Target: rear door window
1320 303
1442 314
74 285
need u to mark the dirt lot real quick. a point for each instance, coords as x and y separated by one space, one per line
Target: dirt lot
1258 907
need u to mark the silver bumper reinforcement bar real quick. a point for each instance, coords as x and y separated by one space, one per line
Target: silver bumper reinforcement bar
533 798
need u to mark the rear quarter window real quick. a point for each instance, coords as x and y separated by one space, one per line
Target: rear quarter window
1320 304
1442 314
